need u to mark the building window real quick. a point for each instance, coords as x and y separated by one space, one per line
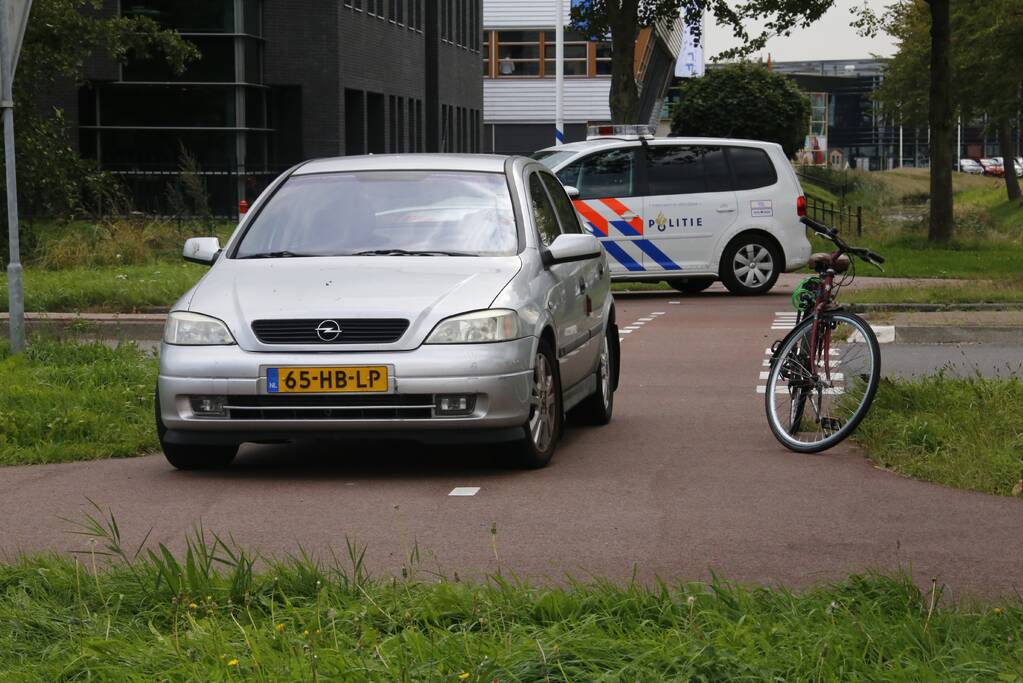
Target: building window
398 12
517 54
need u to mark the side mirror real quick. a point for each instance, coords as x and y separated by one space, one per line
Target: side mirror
573 192
204 250
571 248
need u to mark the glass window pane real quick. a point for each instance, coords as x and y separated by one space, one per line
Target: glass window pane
345 213
567 216
161 150
201 16
674 170
572 51
602 175
518 37
130 105
572 68
215 66
715 170
752 168
543 212
519 51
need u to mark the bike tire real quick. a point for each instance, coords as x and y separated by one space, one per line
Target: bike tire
781 430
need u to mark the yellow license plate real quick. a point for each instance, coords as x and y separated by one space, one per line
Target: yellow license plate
362 379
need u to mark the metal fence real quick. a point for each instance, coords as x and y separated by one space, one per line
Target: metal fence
845 218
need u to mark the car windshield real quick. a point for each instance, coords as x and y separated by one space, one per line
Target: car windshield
385 213
552 158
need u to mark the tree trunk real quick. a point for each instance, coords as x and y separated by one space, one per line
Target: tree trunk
624 97
941 120
1007 145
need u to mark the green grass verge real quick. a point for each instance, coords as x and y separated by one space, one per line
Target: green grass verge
120 289
63 401
967 292
213 618
966 433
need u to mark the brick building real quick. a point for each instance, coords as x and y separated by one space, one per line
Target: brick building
281 81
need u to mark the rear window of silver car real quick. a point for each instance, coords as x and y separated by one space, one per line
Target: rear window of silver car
385 213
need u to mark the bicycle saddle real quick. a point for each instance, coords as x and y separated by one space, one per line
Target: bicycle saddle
821 261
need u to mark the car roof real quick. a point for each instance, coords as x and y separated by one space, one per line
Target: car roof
610 142
485 163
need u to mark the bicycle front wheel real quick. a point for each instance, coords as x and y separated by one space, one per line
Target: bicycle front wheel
822 381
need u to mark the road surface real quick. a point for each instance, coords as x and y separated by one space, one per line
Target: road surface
687 479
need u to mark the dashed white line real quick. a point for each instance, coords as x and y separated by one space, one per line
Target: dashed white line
464 491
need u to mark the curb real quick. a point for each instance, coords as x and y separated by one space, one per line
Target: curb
965 334
135 326
931 308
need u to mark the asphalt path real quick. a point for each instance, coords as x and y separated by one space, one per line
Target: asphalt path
955 360
686 480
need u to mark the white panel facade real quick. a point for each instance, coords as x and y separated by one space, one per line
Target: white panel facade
532 100
520 13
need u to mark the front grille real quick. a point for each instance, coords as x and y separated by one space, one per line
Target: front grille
353 331
354 407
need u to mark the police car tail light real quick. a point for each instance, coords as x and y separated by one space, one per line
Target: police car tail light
801 206
619 131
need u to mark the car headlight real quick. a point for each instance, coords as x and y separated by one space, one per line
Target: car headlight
476 328
194 329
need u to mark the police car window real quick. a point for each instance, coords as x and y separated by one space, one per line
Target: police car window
686 169
602 175
543 212
752 168
562 205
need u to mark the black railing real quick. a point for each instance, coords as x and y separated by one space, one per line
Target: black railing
845 218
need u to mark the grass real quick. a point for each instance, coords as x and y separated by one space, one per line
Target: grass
965 433
212 616
966 292
120 289
63 401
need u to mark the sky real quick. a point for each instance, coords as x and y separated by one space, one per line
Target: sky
832 37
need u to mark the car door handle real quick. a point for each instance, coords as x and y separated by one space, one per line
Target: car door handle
630 216
726 209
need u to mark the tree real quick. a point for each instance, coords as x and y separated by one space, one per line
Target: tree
983 66
623 19
744 101
60 37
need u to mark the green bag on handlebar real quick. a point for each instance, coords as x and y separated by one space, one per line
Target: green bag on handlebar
805 295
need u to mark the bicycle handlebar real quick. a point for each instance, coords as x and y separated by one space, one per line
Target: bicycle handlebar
867 255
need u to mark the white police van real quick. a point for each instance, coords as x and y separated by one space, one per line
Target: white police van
688 211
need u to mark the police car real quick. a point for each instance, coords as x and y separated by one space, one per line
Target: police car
687 211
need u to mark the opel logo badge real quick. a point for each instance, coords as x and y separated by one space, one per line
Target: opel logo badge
328 330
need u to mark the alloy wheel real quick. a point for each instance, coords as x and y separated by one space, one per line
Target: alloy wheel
542 417
753 265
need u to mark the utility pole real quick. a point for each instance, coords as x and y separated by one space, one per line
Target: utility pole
559 72
13 17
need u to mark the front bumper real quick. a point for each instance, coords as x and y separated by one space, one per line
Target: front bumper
499 376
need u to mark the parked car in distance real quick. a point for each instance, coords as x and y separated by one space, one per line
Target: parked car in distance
991 167
971 166
1018 165
433 297
687 211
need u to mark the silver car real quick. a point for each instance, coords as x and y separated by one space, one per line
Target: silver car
429 297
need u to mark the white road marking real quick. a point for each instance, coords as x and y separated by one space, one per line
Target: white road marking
657 313
834 391
633 327
674 303
834 376
464 491
646 320
627 330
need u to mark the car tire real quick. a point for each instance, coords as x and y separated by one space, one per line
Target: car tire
759 250
598 407
543 428
691 285
192 457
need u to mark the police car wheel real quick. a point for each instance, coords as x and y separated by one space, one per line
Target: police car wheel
598 407
691 285
750 265
542 430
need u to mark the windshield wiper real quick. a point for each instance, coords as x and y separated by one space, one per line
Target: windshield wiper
405 252
279 254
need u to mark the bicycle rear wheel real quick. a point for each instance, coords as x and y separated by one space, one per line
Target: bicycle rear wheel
812 408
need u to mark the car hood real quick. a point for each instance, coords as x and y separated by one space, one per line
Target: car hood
423 290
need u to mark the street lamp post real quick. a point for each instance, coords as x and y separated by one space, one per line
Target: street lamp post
13 16
559 72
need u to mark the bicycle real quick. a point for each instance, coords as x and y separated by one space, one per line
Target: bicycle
825 372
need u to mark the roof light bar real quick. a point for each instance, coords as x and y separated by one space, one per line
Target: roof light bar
632 131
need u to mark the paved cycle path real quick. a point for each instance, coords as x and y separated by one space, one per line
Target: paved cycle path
687 479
